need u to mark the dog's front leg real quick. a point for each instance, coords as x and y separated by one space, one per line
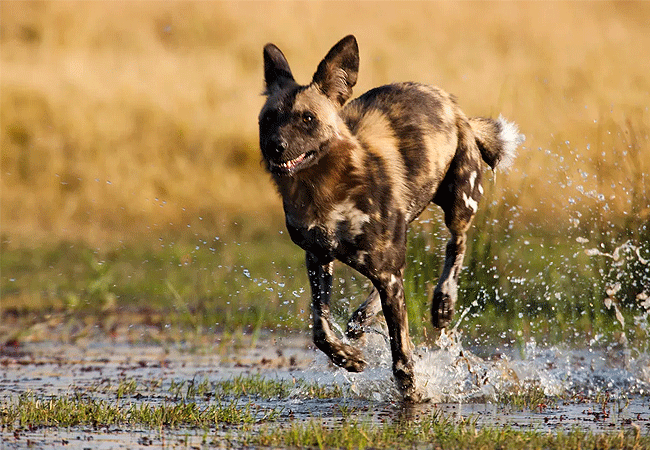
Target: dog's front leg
391 292
320 279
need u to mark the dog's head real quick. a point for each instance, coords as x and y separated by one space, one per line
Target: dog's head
298 124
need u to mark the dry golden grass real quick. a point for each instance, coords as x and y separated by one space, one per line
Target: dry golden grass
121 118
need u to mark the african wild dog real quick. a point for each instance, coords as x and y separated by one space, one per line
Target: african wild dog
353 177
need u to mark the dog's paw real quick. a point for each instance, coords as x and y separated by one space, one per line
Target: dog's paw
349 358
442 310
405 377
354 330
354 361
413 396
357 365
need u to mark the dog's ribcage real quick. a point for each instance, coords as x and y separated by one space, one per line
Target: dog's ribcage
365 191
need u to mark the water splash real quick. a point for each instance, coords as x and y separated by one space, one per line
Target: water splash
603 363
626 277
450 373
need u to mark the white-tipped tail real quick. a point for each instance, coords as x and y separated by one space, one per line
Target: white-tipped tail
510 139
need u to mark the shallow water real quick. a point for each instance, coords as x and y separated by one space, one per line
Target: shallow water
601 390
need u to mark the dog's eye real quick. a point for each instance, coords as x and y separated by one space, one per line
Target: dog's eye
307 117
268 118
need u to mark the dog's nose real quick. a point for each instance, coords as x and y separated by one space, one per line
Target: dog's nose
279 146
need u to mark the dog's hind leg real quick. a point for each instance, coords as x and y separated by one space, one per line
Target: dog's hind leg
364 315
458 196
446 292
320 279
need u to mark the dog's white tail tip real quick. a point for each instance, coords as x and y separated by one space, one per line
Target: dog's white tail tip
511 139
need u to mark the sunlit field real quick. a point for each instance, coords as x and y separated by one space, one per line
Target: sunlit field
131 176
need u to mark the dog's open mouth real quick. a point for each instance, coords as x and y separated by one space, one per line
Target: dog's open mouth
293 165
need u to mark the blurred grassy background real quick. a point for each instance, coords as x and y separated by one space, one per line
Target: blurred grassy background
131 175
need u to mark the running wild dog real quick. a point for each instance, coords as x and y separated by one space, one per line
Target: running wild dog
352 176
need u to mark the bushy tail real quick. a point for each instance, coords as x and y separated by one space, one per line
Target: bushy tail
497 139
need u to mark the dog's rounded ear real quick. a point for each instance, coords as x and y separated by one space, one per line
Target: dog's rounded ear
277 73
337 72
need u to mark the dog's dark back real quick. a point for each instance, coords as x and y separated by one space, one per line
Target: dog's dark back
408 137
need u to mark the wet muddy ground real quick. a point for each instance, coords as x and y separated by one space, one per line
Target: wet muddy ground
603 397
